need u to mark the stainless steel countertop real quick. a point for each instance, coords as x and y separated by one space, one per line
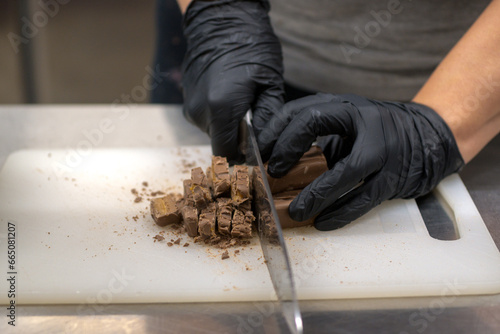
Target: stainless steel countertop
66 126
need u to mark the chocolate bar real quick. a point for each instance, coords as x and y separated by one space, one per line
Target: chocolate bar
308 168
282 202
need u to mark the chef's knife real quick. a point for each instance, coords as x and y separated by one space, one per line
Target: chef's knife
269 231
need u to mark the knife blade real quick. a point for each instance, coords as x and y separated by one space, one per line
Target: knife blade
269 231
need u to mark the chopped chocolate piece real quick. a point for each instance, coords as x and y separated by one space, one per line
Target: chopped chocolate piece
240 184
187 188
186 244
198 177
178 241
224 215
206 222
282 202
308 168
190 218
225 255
214 240
269 225
220 178
245 206
258 184
188 195
242 224
199 188
164 210
169 244
208 173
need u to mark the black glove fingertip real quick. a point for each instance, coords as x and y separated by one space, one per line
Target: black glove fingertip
275 169
301 208
329 223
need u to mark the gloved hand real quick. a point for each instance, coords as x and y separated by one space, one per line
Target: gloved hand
397 150
233 62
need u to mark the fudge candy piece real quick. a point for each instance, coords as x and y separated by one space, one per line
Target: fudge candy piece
165 210
190 219
224 215
242 224
199 188
206 221
308 168
282 202
220 178
240 184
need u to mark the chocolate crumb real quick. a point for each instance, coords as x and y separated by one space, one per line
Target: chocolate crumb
158 238
169 244
134 191
178 241
135 218
138 199
186 244
225 255
145 183
157 193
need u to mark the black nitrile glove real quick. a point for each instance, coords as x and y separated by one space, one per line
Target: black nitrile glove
233 62
397 150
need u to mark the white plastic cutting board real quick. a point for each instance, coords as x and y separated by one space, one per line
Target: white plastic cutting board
77 240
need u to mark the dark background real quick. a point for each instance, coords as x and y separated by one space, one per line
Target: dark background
90 51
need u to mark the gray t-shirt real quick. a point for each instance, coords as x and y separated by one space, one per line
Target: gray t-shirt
383 49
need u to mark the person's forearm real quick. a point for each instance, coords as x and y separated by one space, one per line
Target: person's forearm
183 5
465 88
